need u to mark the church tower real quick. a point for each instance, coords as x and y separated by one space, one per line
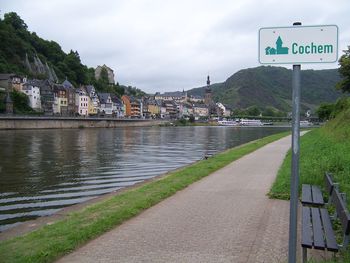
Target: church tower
208 95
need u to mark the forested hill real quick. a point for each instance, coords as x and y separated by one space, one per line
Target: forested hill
25 53
272 86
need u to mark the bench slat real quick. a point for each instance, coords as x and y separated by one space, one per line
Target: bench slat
306 239
328 230
317 229
306 197
317 195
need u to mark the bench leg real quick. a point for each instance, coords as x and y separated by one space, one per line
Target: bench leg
304 255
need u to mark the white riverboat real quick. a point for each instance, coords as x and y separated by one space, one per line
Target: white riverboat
228 123
305 123
247 122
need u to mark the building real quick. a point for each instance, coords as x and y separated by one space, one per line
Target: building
196 98
228 111
47 96
10 82
220 109
106 104
171 110
127 105
71 107
82 101
208 99
136 107
117 107
32 90
60 106
145 111
133 106
163 112
94 102
208 95
186 110
154 108
177 96
200 111
110 73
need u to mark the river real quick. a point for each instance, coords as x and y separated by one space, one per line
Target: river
42 171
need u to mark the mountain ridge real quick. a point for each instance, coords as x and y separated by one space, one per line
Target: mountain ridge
268 86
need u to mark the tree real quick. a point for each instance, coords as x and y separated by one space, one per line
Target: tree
253 111
344 70
76 72
15 21
269 111
238 112
341 105
20 102
325 110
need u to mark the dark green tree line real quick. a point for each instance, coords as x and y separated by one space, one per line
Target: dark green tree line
344 70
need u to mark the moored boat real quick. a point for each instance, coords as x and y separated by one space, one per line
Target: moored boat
247 122
228 123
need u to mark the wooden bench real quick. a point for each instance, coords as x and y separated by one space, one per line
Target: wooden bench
317 231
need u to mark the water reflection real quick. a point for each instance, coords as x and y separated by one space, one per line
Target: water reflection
45 170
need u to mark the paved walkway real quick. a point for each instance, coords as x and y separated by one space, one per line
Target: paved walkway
225 217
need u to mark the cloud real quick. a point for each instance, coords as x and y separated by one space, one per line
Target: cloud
164 45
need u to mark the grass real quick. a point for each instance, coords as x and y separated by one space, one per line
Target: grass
53 241
321 150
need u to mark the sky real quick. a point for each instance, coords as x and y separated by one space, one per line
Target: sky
171 45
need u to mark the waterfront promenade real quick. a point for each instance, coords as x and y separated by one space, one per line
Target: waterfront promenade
225 217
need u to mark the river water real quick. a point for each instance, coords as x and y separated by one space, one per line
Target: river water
42 171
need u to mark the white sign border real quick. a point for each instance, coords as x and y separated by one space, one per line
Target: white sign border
297 63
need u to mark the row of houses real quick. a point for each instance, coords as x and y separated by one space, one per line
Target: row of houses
66 100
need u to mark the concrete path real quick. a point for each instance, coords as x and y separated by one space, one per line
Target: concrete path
225 217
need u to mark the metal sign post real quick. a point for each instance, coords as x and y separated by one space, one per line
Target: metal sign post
297 45
294 182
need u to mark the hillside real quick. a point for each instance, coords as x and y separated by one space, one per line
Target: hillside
271 86
24 53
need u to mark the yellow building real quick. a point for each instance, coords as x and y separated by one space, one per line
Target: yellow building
154 108
92 110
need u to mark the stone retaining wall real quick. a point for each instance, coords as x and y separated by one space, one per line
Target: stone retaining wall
11 123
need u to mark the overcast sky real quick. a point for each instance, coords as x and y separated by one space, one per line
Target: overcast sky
169 45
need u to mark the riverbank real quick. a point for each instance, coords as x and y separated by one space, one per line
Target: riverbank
58 238
21 123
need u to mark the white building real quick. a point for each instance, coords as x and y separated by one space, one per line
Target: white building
33 92
106 104
82 101
177 96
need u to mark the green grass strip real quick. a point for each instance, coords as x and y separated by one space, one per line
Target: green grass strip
53 241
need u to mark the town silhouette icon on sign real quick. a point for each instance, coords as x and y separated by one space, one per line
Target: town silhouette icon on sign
279 50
